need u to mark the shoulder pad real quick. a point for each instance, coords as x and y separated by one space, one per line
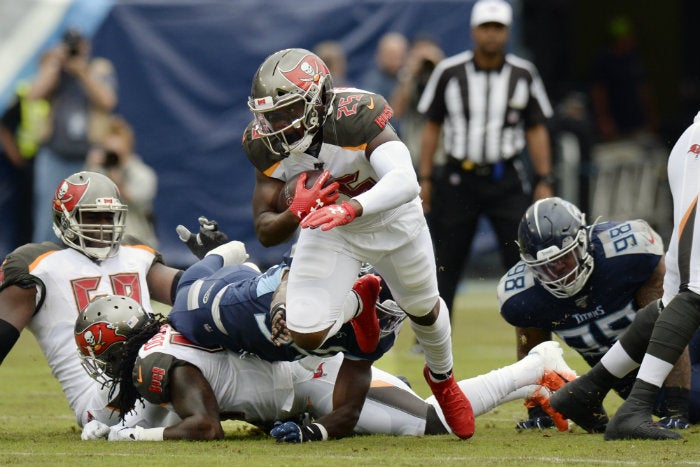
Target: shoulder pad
16 266
518 279
357 117
256 151
628 238
151 376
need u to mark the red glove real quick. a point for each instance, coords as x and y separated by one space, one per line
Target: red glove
307 200
330 216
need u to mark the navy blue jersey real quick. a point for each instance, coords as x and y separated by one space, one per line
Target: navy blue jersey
625 256
230 306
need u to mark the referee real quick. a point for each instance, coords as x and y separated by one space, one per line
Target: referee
490 104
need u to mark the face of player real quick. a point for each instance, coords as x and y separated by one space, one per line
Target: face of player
288 119
98 227
560 268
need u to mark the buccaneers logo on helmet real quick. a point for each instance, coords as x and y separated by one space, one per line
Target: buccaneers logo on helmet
307 72
97 338
68 195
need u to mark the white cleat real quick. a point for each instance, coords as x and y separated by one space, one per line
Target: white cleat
556 371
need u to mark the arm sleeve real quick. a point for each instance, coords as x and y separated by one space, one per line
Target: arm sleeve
397 183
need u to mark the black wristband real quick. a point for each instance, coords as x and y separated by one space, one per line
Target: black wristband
548 179
8 336
313 432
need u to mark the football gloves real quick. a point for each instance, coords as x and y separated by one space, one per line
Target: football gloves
307 200
677 422
98 430
208 237
538 419
290 432
232 252
330 216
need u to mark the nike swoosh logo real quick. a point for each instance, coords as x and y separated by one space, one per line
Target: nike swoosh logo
370 106
651 237
139 379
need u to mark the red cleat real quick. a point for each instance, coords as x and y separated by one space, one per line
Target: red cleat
366 324
455 406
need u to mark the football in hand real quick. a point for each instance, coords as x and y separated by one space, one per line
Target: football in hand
287 193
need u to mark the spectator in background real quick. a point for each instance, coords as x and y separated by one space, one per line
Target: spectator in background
22 127
333 54
492 106
82 92
137 182
423 57
622 98
389 58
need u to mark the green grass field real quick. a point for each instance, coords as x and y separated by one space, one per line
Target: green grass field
37 428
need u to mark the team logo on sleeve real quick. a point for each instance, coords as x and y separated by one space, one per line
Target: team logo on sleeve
98 337
307 72
67 195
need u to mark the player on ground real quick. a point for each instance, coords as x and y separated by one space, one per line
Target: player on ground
149 359
301 123
45 286
586 284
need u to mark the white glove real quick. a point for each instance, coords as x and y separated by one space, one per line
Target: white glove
95 430
232 252
119 433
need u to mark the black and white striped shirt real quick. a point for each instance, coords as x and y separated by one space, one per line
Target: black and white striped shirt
484 113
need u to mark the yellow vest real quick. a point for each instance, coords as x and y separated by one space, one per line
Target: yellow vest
33 122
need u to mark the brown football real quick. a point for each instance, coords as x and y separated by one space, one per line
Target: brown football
287 193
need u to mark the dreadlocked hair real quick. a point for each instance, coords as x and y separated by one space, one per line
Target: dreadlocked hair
128 395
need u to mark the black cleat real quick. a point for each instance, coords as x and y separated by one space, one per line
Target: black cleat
633 421
581 401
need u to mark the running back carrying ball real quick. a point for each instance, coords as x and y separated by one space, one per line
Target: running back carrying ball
288 192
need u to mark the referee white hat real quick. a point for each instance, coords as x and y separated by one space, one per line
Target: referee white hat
491 11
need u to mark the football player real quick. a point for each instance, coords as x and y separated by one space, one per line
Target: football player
654 353
44 286
586 284
371 213
148 359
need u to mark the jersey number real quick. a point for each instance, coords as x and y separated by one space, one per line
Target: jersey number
126 284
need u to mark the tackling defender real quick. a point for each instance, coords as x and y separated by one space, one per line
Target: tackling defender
147 358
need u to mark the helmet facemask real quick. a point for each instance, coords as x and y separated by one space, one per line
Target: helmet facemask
89 216
290 100
289 123
563 271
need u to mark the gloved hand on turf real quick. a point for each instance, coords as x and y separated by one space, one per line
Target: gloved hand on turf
538 418
232 252
208 237
676 422
330 216
290 432
308 200
95 429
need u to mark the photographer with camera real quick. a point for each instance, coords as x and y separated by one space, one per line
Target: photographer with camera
137 182
81 91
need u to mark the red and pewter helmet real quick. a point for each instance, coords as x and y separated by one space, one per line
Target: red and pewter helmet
290 100
102 329
88 214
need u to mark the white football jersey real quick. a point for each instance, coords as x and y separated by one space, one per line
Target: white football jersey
71 281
